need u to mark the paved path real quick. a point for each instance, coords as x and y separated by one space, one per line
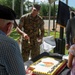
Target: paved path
46 25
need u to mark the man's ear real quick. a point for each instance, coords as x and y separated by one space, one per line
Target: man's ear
8 25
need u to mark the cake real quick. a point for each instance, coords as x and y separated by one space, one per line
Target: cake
47 66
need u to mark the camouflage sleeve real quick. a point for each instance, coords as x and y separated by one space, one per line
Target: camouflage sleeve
41 28
21 22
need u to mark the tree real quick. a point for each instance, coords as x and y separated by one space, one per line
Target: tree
6 2
9 4
17 8
52 10
27 5
44 9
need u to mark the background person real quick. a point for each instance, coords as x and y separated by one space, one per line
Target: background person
71 59
33 25
70 31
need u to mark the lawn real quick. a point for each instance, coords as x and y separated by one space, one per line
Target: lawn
14 35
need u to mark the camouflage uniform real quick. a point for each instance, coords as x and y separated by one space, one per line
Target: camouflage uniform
31 26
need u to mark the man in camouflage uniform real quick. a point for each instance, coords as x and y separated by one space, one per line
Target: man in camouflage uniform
33 25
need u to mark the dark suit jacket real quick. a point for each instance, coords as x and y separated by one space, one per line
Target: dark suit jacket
70 31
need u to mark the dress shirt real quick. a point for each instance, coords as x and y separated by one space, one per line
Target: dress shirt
11 62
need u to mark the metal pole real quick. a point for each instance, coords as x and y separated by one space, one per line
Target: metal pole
13 4
21 7
49 18
67 2
33 1
61 32
54 18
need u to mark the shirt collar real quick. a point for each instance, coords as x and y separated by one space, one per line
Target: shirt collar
1 32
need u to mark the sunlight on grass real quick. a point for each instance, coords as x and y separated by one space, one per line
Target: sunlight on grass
14 35
52 33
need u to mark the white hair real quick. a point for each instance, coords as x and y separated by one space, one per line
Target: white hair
4 22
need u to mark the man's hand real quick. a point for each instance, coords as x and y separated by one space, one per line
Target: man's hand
25 36
29 72
67 46
39 40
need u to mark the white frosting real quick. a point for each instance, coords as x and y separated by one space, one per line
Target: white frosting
45 65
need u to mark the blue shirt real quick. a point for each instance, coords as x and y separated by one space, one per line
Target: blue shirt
11 62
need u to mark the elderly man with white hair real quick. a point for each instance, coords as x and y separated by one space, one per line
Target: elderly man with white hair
11 62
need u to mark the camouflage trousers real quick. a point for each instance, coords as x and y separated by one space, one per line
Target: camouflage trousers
26 47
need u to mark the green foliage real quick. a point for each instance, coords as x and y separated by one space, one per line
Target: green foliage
14 35
73 8
6 2
52 33
54 10
44 9
9 4
17 7
27 6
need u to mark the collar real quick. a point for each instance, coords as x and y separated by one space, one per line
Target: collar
32 16
1 32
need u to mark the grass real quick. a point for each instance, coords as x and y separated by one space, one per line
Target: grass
14 35
52 33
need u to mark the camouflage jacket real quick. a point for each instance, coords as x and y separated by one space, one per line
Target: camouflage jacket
33 26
